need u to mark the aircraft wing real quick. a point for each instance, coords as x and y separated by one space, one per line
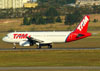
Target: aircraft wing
39 40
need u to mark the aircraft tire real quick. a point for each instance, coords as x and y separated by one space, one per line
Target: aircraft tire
14 47
39 47
49 46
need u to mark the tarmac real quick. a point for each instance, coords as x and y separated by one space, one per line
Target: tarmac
52 68
28 49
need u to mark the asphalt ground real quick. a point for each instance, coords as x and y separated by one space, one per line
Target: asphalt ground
52 68
28 49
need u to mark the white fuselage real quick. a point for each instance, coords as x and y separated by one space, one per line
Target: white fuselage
53 37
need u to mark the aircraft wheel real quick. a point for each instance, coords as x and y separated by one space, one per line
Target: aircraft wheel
49 46
14 47
39 47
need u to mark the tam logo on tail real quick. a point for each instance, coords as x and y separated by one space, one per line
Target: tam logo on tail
81 31
83 26
83 23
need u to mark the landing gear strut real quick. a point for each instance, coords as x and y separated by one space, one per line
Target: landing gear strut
14 47
49 46
39 46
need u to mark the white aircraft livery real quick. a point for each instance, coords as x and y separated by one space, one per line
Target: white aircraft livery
47 38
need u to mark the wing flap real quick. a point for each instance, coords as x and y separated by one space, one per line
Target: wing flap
39 40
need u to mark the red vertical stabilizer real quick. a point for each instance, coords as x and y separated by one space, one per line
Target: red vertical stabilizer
81 31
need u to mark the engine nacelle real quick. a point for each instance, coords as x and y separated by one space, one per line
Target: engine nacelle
25 43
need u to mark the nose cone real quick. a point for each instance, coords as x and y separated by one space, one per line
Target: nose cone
4 39
7 39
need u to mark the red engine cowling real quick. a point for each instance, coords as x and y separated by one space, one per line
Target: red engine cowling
76 36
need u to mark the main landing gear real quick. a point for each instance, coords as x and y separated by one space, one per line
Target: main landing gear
40 45
50 46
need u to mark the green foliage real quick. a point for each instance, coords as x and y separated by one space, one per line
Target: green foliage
96 9
32 20
42 1
78 15
95 20
69 19
11 30
58 19
61 2
26 21
37 19
73 18
51 12
58 7
70 1
50 20
40 20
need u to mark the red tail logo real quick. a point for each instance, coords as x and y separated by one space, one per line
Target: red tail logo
81 31
83 26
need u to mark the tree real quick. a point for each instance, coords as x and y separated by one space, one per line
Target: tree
32 20
26 21
69 19
42 1
58 19
60 2
51 12
95 20
73 18
96 9
70 1
40 20
77 16
50 20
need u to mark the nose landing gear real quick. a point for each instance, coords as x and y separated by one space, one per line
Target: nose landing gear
14 47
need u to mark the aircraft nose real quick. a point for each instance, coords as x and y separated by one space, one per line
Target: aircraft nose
4 39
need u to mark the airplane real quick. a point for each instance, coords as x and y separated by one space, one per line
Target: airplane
47 38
